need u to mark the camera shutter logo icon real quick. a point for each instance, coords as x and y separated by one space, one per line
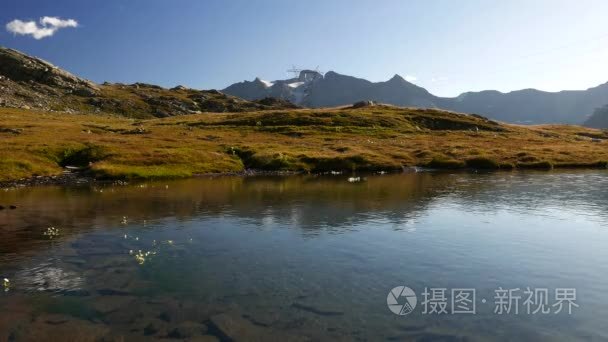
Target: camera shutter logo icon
401 300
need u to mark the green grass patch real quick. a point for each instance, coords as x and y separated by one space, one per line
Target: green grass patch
19 166
80 155
118 171
83 156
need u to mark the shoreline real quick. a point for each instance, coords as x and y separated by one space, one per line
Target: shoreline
80 178
74 178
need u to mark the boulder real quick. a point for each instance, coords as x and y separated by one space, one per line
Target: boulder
361 104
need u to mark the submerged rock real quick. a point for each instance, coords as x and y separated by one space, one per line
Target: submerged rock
204 338
156 327
108 304
235 327
188 329
317 311
62 328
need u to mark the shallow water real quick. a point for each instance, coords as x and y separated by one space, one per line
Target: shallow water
304 257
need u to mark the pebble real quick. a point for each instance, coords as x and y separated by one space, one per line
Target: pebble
68 178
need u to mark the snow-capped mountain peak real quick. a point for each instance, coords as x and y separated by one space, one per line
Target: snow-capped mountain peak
295 90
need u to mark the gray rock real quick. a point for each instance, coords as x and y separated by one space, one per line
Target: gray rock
235 327
107 304
155 327
22 68
362 104
204 338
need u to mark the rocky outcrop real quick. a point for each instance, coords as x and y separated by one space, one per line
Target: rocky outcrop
19 67
362 104
32 83
275 102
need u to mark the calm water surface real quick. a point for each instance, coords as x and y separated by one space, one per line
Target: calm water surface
303 257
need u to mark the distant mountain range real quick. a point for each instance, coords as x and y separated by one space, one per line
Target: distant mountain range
599 119
528 106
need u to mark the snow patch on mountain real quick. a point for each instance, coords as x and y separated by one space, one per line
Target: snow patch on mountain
267 84
295 84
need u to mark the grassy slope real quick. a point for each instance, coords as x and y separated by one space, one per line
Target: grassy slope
371 138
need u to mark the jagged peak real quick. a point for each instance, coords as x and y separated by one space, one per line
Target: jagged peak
397 78
263 83
309 75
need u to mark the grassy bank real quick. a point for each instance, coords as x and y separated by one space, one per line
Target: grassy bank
372 138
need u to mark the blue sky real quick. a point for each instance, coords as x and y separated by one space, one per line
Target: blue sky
446 46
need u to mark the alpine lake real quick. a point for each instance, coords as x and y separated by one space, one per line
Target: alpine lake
499 256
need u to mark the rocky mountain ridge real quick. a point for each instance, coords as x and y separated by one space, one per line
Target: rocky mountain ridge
32 83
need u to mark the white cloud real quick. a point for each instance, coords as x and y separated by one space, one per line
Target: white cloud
59 23
48 26
411 78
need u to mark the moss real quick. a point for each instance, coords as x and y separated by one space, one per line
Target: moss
544 165
117 171
275 161
483 163
507 166
82 156
346 163
73 154
264 161
528 159
445 163
595 165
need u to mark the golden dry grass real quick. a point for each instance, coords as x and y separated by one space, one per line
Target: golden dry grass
373 138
